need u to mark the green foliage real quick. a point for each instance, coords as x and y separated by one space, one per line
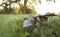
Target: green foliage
11 26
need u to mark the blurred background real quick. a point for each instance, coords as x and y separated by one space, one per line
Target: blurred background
29 6
16 6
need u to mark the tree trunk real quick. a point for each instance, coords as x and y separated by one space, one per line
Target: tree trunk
25 2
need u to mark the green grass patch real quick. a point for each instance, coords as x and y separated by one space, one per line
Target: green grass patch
11 25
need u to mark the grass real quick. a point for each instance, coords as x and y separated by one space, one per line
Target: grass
11 26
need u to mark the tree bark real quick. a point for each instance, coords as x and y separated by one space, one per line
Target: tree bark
25 2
